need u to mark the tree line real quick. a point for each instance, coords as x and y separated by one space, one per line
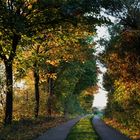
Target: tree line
121 57
50 40
50 45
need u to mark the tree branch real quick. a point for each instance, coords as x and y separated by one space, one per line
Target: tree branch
16 39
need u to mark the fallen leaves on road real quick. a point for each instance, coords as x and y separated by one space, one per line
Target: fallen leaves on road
131 133
29 129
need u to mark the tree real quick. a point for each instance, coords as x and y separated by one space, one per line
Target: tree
64 45
88 76
15 20
67 86
126 11
2 88
22 17
121 56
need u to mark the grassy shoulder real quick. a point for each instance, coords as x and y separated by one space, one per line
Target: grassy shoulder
83 130
29 129
133 134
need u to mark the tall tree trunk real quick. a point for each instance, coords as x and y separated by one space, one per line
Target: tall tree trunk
9 77
9 93
37 95
50 98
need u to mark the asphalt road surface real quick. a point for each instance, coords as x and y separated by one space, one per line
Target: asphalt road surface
60 132
105 132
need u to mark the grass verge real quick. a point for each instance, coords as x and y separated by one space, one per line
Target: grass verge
83 130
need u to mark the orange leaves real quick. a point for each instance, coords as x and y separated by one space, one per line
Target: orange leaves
130 132
113 56
53 62
92 90
65 43
124 71
129 36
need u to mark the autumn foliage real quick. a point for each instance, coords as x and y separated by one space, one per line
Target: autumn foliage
123 79
46 48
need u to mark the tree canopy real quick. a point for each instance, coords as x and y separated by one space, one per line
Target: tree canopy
47 34
121 57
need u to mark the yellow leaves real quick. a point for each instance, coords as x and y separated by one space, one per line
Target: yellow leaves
126 92
120 92
32 1
63 43
68 57
53 62
30 7
52 75
29 3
